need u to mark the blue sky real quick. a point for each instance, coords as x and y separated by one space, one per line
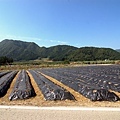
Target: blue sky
54 22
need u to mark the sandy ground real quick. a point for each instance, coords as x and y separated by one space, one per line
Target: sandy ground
38 100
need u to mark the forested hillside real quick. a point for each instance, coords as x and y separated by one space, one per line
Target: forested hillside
19 50
93 53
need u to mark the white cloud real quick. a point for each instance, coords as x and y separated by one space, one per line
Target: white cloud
57 42
62 42
43 42
19 38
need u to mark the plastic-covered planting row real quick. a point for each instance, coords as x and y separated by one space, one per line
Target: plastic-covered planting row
3 73
50 90
101 81
107 69
5 82
111 72
96 94
104 77
91 91
23 88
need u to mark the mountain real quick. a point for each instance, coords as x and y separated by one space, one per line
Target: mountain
19 50
60 52
118 50
93 53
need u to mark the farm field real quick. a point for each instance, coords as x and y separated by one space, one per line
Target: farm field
70 86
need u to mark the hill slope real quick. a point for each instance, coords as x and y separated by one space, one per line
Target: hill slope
93 53
60 52
118 50
19 50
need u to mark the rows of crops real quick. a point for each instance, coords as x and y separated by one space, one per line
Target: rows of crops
97 83
23 88
5 81
50 90
93 82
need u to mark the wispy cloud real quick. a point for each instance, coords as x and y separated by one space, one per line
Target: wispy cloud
57 41
43 42
19 38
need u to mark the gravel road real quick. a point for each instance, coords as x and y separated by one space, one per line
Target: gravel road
58 113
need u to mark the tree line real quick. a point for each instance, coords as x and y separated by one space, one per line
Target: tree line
5 60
